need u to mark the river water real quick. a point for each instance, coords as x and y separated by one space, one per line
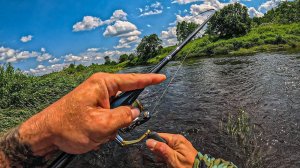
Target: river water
198 101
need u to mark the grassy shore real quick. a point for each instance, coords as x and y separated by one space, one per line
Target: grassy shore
21 96
265 38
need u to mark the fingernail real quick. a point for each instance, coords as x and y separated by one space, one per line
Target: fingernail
135 112
151 143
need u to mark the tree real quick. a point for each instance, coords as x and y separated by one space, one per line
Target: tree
286 12
149 47
131 56
123 58
107 60
80 67
184 29
231 21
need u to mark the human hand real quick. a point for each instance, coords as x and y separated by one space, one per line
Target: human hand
177 153
82 120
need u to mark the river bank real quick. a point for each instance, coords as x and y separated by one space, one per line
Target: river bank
265 38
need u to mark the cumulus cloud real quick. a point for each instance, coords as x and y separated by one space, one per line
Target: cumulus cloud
12 55
43 50
26 39
126 41
153 9
127 31
117 15
42 69
254 13
169 36
185 1
88 23
119 28
269 5
43 57
53 61
72 58
91 22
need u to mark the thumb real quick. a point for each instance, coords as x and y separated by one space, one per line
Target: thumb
161 149
122 117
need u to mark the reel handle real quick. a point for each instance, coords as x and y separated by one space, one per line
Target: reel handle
155 136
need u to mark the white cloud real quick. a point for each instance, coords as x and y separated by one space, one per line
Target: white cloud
269 5
41 69
185 1
12 55
117 15
43 57
126 41
153 9
91 22
26 39
169 37
88 23
254 13
119 28
148 25
43 50
55 60
72 58
93 49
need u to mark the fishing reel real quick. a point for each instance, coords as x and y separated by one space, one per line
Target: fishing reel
143 118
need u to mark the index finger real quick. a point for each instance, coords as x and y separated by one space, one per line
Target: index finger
127 82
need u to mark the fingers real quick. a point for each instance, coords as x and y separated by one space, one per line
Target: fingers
127 82
169 138
161 149
122 116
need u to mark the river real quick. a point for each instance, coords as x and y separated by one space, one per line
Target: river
205 91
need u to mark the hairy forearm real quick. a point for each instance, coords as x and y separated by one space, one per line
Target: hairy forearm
27 145
15 153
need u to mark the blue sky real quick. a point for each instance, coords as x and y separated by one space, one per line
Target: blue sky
41 36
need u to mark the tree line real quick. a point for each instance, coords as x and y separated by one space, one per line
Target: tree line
230 22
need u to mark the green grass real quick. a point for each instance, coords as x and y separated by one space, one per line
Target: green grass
265 38
239 127
21 96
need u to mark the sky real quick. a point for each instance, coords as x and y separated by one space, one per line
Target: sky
40 37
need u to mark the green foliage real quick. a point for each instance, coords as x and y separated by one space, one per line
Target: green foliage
231 21
265 38
123 58
287 12
246 137
148 48
23 95
184 29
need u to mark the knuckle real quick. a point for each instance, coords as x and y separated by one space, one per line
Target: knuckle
96 76
162 149
179 137
127 111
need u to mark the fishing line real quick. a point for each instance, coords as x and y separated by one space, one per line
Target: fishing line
170 82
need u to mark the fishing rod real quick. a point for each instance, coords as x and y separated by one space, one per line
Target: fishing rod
129 98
